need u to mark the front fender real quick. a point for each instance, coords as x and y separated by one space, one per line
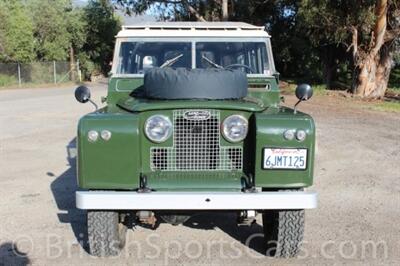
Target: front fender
269 134
112 164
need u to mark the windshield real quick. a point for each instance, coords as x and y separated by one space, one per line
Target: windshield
136 57
251 57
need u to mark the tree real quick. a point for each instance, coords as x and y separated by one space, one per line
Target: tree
224 7
368 28
294 54
16 33
59 30
101 27
198 10
3 17
77 33
51 23
374 62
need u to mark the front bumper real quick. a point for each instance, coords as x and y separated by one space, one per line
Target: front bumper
118 200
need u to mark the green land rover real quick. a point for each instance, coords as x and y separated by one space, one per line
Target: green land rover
193 123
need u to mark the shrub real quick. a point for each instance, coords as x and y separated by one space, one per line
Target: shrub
6 80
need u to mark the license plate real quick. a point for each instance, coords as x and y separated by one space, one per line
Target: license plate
285 158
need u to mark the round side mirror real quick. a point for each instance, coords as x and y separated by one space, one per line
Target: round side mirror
82 94
304 92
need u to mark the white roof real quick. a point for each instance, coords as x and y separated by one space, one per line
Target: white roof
192 29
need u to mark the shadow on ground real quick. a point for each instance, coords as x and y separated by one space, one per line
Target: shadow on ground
249 235
63 189
10 255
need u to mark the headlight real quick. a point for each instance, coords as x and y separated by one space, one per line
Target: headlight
158 128
234 128
93 135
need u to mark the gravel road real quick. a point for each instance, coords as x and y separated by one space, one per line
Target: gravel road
357 176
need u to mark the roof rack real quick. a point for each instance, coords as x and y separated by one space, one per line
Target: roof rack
198 26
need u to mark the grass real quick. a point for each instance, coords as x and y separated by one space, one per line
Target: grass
318 89
393 89
11 82
386 106
6 80
35 74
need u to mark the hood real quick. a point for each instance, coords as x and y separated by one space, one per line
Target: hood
140 105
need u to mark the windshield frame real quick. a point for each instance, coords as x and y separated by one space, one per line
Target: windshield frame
193 41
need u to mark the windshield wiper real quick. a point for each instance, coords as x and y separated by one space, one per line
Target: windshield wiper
171 61
211 62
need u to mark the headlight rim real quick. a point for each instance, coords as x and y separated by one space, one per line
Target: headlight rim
229 139
166 137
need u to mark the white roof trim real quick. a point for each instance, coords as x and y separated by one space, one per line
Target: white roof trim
195 25
194 29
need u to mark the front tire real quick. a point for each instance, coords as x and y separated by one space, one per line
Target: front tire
106 233
283 232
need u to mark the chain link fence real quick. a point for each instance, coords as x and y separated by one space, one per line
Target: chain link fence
54 72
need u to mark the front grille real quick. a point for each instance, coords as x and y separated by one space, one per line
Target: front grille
196 146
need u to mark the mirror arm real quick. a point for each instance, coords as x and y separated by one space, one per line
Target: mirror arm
94 104
295 106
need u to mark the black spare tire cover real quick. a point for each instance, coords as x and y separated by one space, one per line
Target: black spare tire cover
182 83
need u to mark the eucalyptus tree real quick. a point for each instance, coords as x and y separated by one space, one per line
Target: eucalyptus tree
368 28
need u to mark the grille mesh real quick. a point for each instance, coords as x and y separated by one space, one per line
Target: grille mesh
196 147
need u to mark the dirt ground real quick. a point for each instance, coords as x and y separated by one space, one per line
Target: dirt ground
357 176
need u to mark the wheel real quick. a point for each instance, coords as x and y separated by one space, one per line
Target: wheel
283 232
106 233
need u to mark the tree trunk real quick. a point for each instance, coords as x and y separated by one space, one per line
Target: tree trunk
373 66
72 63
373 75
224 10
193 11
